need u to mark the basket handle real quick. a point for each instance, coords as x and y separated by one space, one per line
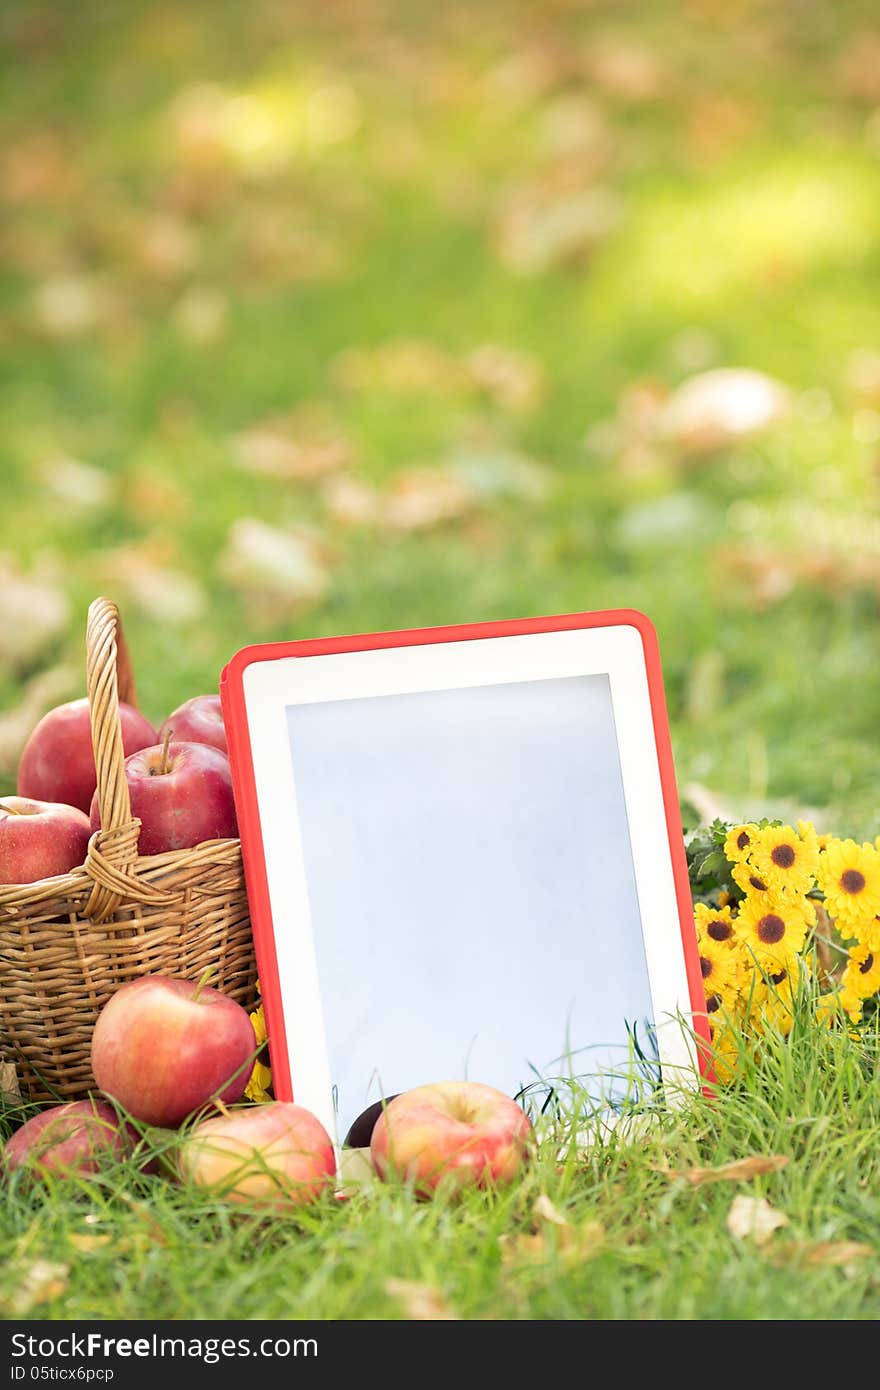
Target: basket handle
112 850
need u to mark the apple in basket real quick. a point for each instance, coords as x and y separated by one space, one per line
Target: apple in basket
456 1133
164 1048
39 839
182 795
70 1139
197 720
57 762
276 1155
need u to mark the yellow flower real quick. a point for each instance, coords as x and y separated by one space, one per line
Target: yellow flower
849 877
258 1086
828 1008
738 844
719 973
772 932
867 933
862 974
728 1049
809 835
715 924
776 994
748 879
783 860
258 1020
852 1003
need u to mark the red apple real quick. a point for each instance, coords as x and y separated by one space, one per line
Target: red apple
40 838
275 1155
77 1137
57 762
182 794
164 1048
198 720
459 1133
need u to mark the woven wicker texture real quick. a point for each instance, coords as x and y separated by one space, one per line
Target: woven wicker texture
67 943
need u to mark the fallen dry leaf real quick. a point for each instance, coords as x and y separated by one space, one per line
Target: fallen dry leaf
838 1252
288 565
36 1283
9 1087
78 485
568 1242
402 365
420 1302
423 497
165 245
573 126
626 70
151 495
297 447
753 1218
512 379
157 588
86 1243
350 501
720 407
38 168
46 607
544 1210
539 231
739 1171
38 695
69 306
201 314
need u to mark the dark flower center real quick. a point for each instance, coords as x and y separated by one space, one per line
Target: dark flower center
719 930
742 840
713 1003
783 856
866 965
777 979
706 967
771 929
852 881
757 883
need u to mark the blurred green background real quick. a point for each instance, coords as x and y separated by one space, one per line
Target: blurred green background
368 315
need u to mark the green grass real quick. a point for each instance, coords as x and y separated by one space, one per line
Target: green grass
338 180
629 1236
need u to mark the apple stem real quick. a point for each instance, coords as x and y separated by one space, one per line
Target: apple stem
163 766
203 980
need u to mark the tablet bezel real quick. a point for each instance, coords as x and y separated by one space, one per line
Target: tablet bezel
260 683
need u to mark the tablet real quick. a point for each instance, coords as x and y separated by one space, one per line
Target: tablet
464 860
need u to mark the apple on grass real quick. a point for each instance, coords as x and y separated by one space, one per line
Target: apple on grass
456 1133
57 762
71 1139
39 839
181 793
197 720
276 1155
164 1048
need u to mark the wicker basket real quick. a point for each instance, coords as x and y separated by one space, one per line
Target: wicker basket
68 942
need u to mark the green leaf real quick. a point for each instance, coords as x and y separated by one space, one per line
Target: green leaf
713 863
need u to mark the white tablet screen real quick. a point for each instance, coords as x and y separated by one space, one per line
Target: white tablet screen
471 889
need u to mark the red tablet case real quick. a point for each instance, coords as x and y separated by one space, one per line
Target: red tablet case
244 785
